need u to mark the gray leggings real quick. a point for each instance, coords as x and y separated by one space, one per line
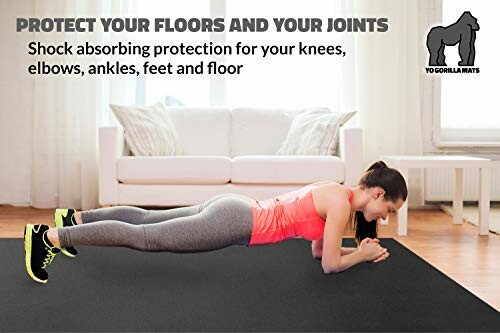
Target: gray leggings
221 221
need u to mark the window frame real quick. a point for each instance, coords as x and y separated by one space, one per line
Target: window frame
456 137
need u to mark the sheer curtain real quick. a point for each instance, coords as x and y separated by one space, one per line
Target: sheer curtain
387 82
67 111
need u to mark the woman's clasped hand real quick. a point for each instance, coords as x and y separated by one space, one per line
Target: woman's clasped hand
372 250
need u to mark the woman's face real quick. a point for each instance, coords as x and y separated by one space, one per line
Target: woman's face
378 207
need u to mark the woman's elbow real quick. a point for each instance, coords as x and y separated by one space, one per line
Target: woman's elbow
330 270
327 269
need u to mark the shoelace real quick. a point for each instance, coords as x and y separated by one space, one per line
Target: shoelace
48 258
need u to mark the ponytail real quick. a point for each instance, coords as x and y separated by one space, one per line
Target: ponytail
364 228
394 185
377 165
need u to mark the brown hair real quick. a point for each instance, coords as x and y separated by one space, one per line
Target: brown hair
394 185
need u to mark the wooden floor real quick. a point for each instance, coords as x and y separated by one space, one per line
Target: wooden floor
456 250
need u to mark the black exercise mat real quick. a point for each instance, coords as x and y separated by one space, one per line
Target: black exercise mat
276 287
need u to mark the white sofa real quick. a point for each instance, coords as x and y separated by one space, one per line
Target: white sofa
225 151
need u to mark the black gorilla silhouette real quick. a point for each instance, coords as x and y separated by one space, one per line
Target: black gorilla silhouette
463 31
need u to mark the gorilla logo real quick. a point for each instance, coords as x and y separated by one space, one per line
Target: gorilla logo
463 31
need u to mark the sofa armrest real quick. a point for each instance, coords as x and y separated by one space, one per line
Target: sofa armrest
351 151
111 146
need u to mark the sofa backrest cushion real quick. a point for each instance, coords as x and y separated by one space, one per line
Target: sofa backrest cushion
259 131
202 131
148 130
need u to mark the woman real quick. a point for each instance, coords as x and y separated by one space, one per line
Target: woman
319 212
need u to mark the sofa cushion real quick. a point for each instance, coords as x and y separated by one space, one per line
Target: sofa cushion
148 130
259 131
284 169
174 169
202 131
314 132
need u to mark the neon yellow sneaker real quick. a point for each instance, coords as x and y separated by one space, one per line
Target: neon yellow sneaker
38 251
65 218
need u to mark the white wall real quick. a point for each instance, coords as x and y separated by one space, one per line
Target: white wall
16 105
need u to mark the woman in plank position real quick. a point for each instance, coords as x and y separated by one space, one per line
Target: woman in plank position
318 212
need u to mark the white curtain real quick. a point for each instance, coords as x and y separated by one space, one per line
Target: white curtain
386 81
67 111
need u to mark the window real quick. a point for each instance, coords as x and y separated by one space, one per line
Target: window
188 89
469 107
280 81
288 80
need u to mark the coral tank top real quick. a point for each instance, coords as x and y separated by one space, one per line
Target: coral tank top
289 215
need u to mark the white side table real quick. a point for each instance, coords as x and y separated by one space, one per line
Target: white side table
403 163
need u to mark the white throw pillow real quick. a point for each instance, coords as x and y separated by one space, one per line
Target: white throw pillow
148 130
314 132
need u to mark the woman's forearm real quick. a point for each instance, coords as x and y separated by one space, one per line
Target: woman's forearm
349 261
317 253
348 250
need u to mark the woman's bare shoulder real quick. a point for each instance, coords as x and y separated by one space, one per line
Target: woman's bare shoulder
324 194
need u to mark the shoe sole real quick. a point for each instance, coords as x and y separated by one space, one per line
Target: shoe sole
58 217
27 253
58 221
